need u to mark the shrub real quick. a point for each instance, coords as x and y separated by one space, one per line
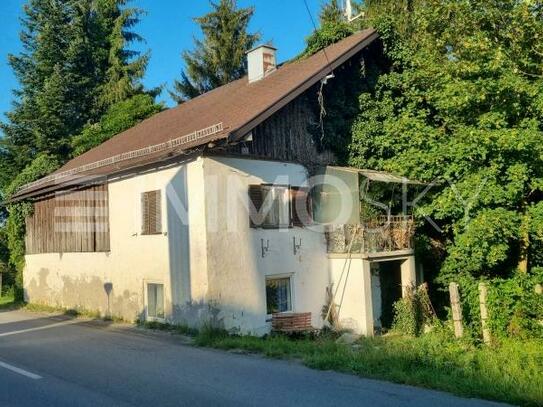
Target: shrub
413 312
515 308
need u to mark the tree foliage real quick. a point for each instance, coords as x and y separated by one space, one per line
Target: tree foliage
119 117
75 63
219 58
462 104
333 28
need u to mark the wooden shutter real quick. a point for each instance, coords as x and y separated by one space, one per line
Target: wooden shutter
255 197
151 204
145 213
301 207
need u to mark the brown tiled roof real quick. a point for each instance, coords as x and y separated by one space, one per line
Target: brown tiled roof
239 106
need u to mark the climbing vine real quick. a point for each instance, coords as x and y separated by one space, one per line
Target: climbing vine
18 212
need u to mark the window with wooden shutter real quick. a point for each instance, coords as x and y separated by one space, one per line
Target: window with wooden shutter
279 206
301 206
151 205
255 205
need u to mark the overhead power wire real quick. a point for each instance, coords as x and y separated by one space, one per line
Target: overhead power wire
324 80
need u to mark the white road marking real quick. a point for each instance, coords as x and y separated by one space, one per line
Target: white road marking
20 371
40 328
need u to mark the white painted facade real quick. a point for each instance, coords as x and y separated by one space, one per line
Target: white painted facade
212 264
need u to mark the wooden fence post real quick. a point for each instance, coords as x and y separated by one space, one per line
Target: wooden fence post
484 313
456 310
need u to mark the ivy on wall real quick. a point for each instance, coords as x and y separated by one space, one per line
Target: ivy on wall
18 212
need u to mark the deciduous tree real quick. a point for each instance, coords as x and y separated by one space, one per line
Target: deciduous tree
463 104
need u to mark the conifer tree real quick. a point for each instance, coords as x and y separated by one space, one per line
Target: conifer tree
125 67
74 65
220 57
37 68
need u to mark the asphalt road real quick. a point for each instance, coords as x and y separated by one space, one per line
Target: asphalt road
55 361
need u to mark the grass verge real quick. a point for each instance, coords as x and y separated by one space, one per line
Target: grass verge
8 302
511 371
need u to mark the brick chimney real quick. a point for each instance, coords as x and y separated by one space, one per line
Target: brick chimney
261 62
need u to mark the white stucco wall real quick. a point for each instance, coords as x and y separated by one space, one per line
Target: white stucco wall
209 258
172 258
237 270
212 268
352 288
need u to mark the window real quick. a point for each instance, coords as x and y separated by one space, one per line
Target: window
151 205
155 301
276 206
278 296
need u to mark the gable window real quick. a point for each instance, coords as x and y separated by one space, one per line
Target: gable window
279 206
151 211
278 295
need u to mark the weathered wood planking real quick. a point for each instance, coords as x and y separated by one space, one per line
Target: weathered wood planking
70 222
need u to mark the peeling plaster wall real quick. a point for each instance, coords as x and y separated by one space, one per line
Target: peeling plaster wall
236 268
174 258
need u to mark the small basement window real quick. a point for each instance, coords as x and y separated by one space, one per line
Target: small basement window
155 301
151 211
278 295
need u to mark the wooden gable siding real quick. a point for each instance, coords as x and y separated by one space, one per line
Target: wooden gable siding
296 133
289 135
70 223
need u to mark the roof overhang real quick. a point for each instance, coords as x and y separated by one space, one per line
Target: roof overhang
380 176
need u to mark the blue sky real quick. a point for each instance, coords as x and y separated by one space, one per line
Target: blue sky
168 29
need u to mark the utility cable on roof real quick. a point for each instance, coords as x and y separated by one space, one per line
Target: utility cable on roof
324 80
315 27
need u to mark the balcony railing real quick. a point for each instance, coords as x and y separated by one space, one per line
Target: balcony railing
382 234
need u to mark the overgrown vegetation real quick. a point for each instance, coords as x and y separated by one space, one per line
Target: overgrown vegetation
414 312
7 299
461 105
333 28
119 117
16 222
509 371
515 305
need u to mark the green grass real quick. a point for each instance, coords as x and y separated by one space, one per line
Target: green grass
510 372
177 329
7 301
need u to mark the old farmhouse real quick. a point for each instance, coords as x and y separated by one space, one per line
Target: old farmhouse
228 210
